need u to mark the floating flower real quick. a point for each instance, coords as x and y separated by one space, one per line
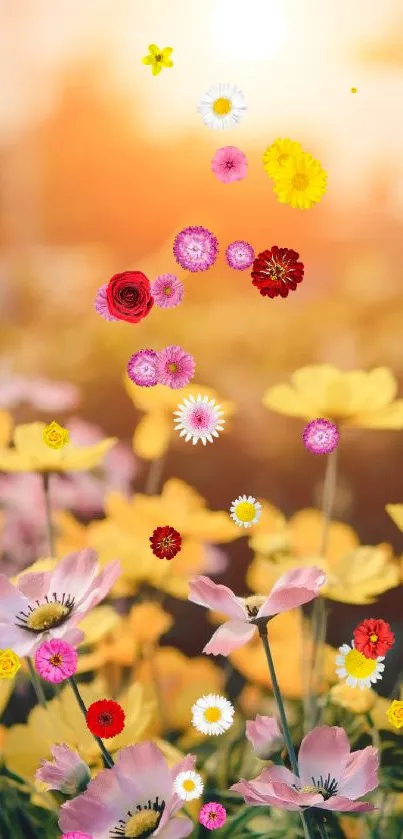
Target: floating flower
188 785
212 714
212 815
9 664
175 367
277 154
66 773
157 59
395 713
55 436
222 106
245 511
199 419
301 182
354 89
330 776
56 661
265 736
129 296
30 453
167 291
142 368
101 304
195 248
356 669
373 637
229 164
105 718
277 272
166 542
320 436
239 255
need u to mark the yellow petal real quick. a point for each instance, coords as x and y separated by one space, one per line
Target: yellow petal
313 383
166 62
148 59
98 623
166 52
152 435
81 458
390 417
151 398
6 425
395 511
6 689
285 400
154 50
306 529
156 68
362 575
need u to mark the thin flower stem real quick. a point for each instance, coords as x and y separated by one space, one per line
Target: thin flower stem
322 828
154 476
36 684
108 758
49 525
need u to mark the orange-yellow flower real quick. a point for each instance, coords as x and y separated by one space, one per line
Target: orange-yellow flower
32 454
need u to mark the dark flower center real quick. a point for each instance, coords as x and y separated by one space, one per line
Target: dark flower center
105 718
43 616
326 787
140 822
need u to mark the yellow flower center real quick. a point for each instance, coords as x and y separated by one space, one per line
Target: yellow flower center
373 637
172 367
46 616
168 291
189 785
398 712
212 714
56 660
222 106
253 604
140 823
245 511
358 666
314 790
55 436
281 158
300 181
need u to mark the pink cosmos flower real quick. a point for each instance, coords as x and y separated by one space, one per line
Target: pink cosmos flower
320 436
101 304
136 797
41 394
331 778
265 736
175 367
76 834
212 815
56 661
229 164
142 368
292 589
50 604
66 773
167 291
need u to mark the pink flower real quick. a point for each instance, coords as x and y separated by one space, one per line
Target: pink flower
56 661
76 834
142 368
331 778
320 436
50 604
229 164
239 255
195 248
41 394
134 798
175 367
265 736
101 304
292 589
167 291
67 773
212 815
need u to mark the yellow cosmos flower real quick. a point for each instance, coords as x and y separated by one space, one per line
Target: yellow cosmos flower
158 58
366 400
300 182
356 700
278 154
55 436
32 454
6 425
395 511
9 664
395 713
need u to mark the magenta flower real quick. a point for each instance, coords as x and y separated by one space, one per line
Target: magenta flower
136 797
212 815
292 589
331 778
142 368
56 661
195 249
229 164
66 773
167 291
50 604
240 255
320 436
265 736
101 304
76 834
175 367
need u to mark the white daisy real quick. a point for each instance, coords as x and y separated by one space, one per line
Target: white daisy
188 785
222 106
199 419
212 714
356 669
245 511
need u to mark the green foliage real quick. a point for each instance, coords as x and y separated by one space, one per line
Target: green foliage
20 819
391 771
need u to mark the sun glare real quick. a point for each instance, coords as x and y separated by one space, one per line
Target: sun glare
248 29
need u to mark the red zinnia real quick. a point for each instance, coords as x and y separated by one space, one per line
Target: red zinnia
166 542
373 637
105 718
277 271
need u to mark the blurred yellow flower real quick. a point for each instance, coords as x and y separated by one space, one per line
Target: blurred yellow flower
6 425
6 689
32 454
380 716
55 436
395 511
366 400
10 663
395 713
299 536
357 700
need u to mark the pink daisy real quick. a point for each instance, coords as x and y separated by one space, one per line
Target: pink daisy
320 436
239 255
56 661
175 367
229 164
167 291
142 368
212 815
195 249
101 304
199 419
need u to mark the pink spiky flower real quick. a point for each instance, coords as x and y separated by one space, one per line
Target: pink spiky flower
199 419
167 291
320 436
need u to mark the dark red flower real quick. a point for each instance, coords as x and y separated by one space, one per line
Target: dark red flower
373 637
166 542
129 296
277 271
105 718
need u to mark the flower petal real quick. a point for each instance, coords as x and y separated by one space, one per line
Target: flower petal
361 773
296 587
285 400
74 574
12 601
217 597
35 585
175 829
344 805
88 814
152 435
279 774
19 640
143 772
229 637
324 751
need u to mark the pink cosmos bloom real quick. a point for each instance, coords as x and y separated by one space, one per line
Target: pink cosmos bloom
50 604
292 589
331 778
229 164
265 736
38 393
56 661
66 773
135 797
175 368
101 304
76 834
212 815
167 291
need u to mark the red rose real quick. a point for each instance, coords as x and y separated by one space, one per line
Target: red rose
129 296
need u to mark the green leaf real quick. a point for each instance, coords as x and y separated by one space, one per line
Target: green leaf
391 770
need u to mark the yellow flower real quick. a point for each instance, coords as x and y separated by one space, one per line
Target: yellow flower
6 425
356 700
395 713
32 454
395 511
9 664
366 400
158 59
301 182
354 90
55 436
277 154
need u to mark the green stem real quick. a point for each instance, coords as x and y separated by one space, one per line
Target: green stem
107 757
36 684
49 526
154 475
322 828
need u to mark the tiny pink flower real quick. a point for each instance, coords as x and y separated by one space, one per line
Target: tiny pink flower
320 436
66 773
175 368
229 164
142 368
265 736
101 304
167 291
240 255
56 661
212 815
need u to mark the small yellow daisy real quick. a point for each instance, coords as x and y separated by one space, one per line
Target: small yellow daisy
355 669
301 182
188 785
212 714
277 154
245 511
55 436
395 713
157 59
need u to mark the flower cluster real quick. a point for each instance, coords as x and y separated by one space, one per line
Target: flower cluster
299 179
361 664
172 367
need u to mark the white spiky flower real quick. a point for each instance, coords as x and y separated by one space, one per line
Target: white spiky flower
199 419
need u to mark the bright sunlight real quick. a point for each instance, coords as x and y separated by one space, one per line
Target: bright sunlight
248 29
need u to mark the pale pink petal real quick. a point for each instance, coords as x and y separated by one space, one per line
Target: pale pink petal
143 772
275 795
102 585
89 815
265 735
12 601
22 642
229 637
278 774
217 597
294 588
74 574
175 829
361 773
324 751
107 788
70 635
35 585
175 802
345 805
